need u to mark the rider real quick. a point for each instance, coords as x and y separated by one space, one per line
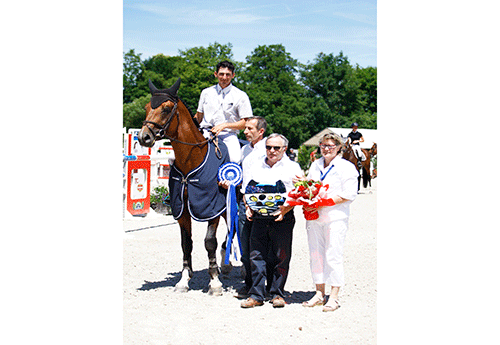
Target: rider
224 108
355 138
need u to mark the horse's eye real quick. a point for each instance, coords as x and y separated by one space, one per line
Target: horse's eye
166 110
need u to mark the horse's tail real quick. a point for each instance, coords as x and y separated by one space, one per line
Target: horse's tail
366 178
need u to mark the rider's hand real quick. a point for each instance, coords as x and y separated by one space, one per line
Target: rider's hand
218 128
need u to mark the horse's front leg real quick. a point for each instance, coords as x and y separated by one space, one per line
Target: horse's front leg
215 286
187 249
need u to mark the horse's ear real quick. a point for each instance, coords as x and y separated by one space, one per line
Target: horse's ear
173 90
152 88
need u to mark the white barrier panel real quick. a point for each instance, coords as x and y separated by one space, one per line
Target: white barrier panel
144 169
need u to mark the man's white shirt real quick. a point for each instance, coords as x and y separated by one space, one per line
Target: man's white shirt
284 170
223 105
248 154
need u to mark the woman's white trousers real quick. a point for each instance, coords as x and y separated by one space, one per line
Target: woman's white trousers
326 250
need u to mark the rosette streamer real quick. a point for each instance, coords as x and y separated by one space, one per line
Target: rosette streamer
233 173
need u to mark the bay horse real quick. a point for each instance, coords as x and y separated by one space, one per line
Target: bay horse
168 117
348 154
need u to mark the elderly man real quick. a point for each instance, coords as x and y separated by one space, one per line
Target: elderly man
271 237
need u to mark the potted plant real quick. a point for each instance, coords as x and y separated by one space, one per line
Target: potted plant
160 200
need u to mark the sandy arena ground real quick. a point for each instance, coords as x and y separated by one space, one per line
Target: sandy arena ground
154 314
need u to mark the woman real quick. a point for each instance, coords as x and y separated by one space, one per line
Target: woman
327 233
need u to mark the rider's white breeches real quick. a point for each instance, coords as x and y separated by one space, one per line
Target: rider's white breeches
359 153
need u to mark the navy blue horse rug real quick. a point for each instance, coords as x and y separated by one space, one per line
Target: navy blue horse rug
206 200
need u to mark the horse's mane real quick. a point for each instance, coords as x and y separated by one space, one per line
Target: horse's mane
190 113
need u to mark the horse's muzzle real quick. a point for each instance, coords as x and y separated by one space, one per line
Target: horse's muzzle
146 137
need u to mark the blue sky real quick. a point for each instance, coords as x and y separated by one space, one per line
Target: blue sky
305 28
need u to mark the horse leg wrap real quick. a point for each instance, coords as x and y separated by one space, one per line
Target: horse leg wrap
215 286
182 285
187 266
213 269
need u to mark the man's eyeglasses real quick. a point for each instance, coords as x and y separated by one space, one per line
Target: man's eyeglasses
276 148
327 147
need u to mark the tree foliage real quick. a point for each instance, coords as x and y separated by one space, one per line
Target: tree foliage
331 78
132 70
296 100
269 79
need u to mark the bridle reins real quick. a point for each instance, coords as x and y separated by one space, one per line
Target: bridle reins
162 130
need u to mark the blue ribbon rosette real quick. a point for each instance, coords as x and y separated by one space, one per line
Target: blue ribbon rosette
233 173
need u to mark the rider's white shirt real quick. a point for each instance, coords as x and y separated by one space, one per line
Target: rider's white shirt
223 105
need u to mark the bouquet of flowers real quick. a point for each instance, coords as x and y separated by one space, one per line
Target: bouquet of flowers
311 194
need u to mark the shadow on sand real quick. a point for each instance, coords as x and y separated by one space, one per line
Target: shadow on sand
199 281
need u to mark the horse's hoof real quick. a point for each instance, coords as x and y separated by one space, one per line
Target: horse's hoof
215 291
181 289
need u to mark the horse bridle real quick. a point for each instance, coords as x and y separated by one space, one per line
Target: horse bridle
162 130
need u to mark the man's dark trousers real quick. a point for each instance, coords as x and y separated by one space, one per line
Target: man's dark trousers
245 226
271 243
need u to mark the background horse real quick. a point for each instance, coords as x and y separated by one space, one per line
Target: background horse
373 153
349 154
168 117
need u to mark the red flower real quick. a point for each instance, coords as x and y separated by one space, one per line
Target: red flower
311 194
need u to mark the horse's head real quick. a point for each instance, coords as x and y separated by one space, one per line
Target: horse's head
373 150
346 148
348 152
159 113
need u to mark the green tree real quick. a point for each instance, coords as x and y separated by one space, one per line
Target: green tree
161 70
134 112
332 79
269 79
164 65
208 57
367 78
304 156
296 100
132 70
